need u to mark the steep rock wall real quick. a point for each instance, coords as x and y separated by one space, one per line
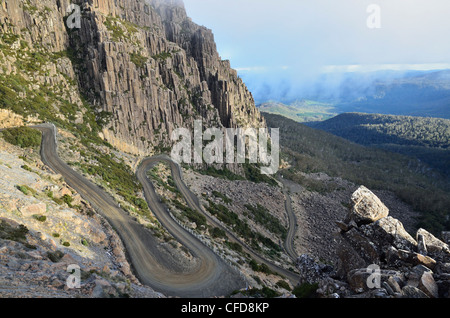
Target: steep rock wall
143 62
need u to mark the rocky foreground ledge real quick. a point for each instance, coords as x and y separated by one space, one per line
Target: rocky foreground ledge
377 258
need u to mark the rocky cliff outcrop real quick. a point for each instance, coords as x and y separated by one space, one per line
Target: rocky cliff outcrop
154 70
378 258
143 62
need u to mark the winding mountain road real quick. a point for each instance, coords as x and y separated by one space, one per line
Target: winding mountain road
289 242
209 276
292 223
194 203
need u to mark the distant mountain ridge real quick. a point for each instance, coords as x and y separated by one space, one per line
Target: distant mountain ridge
425 94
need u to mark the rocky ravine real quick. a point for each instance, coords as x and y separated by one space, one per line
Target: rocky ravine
378 258
41 235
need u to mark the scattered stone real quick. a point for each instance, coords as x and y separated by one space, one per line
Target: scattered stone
32 209
103 289
428 285
393 283
432 244
366 249
421 247
310 270
378 258
413 292
13 265
365 279
343 226
389 231
348 260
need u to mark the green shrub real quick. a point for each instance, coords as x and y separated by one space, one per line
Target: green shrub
305 290
191 214
26 189
283 284
23 137
262 216
225 199
119 177
218 232
235 246
27 168
253 173
40 218
120 29
138 59
220 173
162 56
263 268
17 234
67 199
113 27
264 292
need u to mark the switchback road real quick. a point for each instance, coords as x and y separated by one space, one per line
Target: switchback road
211 276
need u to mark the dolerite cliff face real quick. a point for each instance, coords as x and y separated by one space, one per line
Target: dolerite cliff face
155 70
144 62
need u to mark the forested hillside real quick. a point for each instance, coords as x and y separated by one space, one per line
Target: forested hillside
311 150
425 138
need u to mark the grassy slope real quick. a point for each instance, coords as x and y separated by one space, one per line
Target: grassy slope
300 111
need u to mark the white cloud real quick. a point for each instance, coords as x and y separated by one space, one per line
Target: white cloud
251 69
293 42
261 69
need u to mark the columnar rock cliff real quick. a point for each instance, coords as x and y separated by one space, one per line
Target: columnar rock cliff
143 62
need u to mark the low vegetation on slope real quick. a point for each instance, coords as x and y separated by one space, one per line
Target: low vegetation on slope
23 137
310 151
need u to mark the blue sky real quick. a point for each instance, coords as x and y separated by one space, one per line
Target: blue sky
294 41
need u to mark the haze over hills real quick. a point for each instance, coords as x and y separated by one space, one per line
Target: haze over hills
425 95
414 93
